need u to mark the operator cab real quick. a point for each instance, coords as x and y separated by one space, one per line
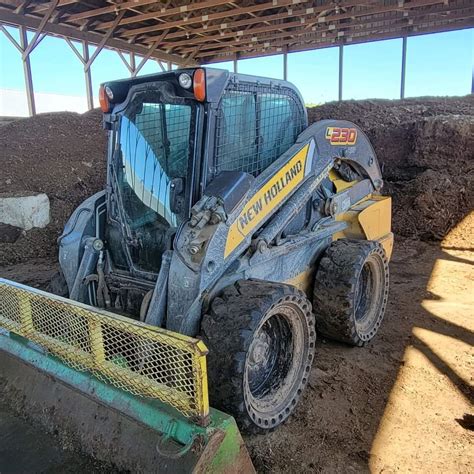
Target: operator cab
170 135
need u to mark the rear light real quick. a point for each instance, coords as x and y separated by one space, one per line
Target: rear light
104 100
199 84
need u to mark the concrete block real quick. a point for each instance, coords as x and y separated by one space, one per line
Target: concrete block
25 211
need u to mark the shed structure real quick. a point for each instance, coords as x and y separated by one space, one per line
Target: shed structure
188 33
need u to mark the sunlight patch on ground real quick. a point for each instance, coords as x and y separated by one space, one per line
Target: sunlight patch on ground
420 428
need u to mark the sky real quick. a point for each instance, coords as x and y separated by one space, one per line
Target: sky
437 64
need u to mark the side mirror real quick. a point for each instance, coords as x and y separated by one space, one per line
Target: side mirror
176 195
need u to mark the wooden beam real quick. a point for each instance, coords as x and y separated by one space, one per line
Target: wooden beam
11 38
299 15
44 6
145 16
36 38
211 17
88 76
403 68
30 22
232 34
191 57
133 64
161 65
84 58
104 40
125 62
150 52
340 71
321 30
23 6
332 42
30 93
92 12
75 50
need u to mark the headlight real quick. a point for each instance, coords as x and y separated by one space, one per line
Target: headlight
185 80
109 92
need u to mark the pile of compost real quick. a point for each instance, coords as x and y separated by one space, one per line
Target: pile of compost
426 150
59 154
425 147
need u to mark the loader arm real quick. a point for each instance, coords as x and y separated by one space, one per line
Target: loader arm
215 239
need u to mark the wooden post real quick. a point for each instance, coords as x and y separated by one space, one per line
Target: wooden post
132 63
88 76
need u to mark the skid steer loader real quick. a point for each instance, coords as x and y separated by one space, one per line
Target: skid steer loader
226 217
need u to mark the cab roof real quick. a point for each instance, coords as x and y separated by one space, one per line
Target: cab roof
216 82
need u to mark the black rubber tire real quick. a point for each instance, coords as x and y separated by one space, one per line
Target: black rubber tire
58 285
244 314
349 270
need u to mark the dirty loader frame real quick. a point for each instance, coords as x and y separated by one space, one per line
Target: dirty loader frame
265 223
248 242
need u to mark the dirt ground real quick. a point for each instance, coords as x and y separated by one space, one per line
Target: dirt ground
61 154
402 404
425 147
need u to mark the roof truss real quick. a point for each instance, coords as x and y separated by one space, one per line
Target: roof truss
204 31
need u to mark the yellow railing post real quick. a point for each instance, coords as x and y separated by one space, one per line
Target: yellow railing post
201 379
26 318
97 342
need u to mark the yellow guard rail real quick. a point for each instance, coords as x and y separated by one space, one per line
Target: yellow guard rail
138 358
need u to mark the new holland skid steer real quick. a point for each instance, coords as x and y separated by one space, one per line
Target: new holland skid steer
228 218
228 224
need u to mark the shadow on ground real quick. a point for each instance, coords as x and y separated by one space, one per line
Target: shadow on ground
402 402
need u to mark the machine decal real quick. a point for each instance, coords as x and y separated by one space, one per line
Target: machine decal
341 136
279 186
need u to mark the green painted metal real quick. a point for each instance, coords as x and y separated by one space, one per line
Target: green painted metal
229 450
221 448
151 413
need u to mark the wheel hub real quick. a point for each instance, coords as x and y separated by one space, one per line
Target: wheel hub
262 356
260 350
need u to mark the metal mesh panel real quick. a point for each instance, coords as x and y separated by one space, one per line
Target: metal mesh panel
155 146
255 125
135 357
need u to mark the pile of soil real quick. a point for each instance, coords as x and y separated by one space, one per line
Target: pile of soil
61 154
426 150
425 147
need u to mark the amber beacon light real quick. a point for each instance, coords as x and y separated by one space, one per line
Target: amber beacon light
199 84
103 100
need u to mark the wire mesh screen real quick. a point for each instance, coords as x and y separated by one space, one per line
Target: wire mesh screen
135 357
255 125
155 143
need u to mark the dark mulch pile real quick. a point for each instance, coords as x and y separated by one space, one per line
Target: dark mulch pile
426 149
425 146
60 154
